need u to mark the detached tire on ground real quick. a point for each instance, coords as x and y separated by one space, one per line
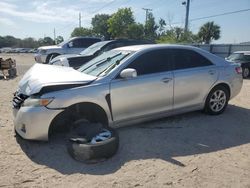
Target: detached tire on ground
95 150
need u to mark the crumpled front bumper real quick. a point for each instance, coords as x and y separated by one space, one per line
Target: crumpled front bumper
33 123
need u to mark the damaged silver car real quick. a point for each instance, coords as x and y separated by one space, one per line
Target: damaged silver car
124 86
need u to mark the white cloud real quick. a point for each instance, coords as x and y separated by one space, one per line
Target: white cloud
97 1
42 12
8 22
62 12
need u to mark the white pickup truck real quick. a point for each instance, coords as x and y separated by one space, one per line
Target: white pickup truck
72 46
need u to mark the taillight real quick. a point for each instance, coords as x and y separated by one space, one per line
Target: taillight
238 70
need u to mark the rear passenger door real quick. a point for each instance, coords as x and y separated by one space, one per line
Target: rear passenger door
193 77
150 92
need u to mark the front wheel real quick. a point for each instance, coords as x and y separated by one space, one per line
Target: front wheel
217 100
245 72
50 57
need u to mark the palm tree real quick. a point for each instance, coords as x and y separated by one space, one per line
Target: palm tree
208 32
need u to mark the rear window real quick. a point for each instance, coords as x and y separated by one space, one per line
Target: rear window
184 59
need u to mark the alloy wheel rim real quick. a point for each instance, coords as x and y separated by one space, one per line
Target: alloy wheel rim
102 136
217 100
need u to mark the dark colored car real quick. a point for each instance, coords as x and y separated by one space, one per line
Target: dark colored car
77 60
242 57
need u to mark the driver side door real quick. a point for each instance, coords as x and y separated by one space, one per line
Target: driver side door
150 93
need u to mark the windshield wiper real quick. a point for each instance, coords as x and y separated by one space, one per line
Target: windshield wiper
112 66
101 62
109 68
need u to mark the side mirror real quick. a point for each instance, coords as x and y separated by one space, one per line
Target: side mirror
128 73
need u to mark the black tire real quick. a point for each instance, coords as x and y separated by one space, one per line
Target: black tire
50 57
82 129
216 105
245 72
88 152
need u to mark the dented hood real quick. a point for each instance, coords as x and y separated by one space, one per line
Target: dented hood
39 76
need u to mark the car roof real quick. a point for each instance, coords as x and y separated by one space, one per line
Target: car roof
155 46
242 52
86 37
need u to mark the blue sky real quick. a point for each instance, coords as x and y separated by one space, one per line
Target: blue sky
38 18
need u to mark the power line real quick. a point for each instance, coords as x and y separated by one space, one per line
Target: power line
102 7
222 14
215 15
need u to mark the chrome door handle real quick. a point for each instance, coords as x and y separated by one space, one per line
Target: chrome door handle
166 80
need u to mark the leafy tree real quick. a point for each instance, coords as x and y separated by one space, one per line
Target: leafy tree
28 43
162 24
135 31
8 41
177 35
100 25
59 39
150 27
48 41
45 41
208 32
119 23
81 31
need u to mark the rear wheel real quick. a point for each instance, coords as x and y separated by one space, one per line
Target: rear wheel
245 72
217 100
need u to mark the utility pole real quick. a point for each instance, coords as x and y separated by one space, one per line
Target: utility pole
80 20
54 35
147 11
187 3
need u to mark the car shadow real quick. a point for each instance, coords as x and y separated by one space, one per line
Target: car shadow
165 139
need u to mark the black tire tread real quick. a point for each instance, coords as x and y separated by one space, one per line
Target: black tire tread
91 153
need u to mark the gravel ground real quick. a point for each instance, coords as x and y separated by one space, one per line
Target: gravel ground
189 150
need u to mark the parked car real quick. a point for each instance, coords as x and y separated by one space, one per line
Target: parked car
72 46
242 57
6 50
76 60
123 86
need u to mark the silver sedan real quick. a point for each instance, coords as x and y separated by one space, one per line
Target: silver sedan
123 86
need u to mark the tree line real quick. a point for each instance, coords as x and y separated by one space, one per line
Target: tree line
10 41
122 24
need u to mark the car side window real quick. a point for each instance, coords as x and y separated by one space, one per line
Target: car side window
183 59
151 62
247 57
84 42
76 43
88 42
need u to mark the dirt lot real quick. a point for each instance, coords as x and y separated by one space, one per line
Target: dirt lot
189 150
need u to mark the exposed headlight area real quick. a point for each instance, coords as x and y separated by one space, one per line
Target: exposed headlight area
37 102
20 100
